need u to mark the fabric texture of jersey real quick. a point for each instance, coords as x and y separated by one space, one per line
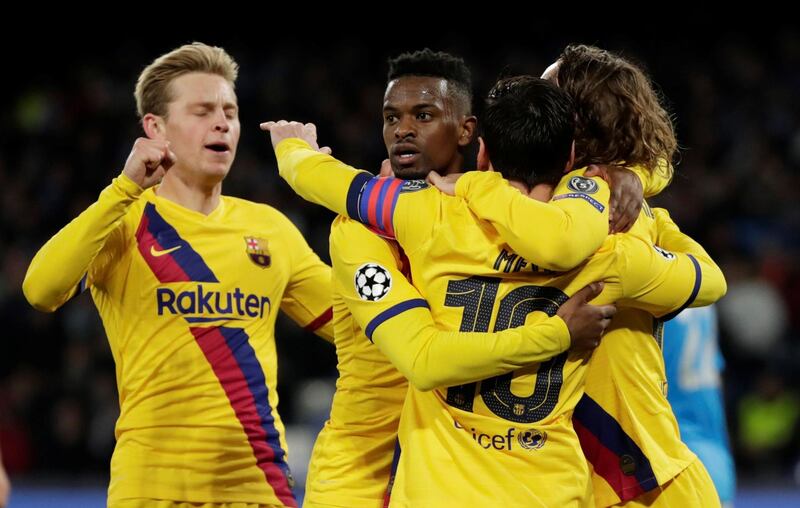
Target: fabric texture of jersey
351 463
626 426
189 303
355 454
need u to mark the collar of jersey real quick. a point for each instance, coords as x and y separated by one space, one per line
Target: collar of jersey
175 208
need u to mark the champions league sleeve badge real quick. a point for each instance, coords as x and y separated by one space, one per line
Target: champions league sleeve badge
665 253
581 184
258 251
373 282
414 185
580 188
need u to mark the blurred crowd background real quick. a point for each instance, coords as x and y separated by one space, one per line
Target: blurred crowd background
68 123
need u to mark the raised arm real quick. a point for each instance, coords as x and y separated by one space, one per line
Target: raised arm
72 259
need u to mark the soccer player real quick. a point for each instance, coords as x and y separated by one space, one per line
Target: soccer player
508 439
620 118
625 423
188 283
352 459
694 363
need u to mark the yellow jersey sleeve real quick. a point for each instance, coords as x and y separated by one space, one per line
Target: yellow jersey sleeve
309 296
558 235
390 207
398 320
78 255
713 285
320 178
663 282
655 181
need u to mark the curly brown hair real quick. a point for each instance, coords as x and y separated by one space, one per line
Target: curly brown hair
620 117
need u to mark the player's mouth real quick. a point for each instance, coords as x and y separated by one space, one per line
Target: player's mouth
219 147
405 154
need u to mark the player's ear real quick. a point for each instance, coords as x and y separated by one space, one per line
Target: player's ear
153 126
484 164
467 130
571 162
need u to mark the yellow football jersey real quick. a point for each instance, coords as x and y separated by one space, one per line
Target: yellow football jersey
483 443
625 423
352 462
626 426
189 304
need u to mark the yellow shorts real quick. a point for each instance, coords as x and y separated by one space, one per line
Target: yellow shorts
692 487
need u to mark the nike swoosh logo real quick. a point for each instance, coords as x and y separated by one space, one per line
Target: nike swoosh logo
158 253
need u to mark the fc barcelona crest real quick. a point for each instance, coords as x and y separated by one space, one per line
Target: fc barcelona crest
258 251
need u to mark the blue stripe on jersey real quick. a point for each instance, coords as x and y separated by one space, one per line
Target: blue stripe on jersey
354 194
363 200
698 279
611 434
245 355
392 312
387 496
382 203
396 190
82 283
186 257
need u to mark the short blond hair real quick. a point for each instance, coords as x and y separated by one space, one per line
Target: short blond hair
152 88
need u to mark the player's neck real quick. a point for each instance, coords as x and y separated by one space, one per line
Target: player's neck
541 192
189 194
456 165
519 185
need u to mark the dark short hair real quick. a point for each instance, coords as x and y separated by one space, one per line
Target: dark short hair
436 64
527 127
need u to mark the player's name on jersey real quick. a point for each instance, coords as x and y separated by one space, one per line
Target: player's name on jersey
202 302
509 262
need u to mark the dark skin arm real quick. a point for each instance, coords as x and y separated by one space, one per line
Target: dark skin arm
586 322
627 195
